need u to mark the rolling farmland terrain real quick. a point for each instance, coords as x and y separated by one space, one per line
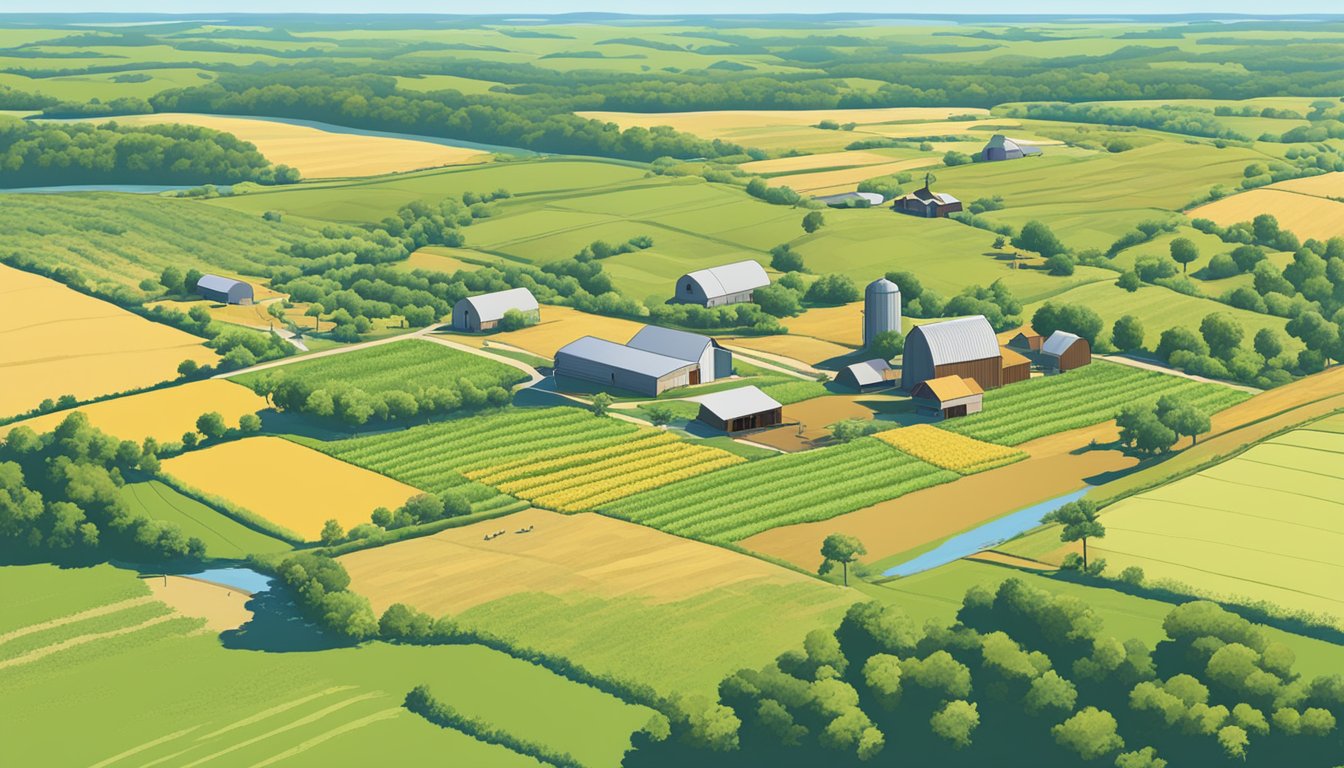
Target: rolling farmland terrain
265 501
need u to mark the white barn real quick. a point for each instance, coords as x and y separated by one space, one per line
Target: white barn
716 286
714 361
483 312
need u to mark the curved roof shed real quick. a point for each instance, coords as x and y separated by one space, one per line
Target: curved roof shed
725 284
224 289
478 313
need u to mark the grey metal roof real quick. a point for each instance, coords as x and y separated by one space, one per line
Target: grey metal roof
736 403
217 283
620 356
956 341
492 306
882 285
869 371
665 341
732 278
1058 343
874 198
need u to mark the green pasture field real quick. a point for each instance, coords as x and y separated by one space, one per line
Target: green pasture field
466 85
734 503
1090 395
104 85
224 537
1265 525
409 365
1160 308
30 596
936 595
123 239
257 708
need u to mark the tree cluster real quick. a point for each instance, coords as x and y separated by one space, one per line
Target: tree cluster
1153 428
996 302
355 407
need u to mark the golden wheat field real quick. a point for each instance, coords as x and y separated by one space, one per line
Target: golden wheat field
163 414
55 341
1324 185
293 486
802 348
583 554
841 325
1302 214
846 179
320 154
949 450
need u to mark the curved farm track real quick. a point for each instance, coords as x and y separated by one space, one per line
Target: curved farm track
1057 464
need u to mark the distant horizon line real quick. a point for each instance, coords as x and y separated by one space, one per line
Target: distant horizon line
523 16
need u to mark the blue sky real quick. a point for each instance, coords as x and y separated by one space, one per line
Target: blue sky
683 6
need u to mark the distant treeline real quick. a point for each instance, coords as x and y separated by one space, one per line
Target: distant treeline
48 154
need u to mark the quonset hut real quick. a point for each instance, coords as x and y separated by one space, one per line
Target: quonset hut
1000 147
881 309
727 284
225 290
483 312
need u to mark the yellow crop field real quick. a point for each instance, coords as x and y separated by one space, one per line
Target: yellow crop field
841 325
1302 214
1324 185
436 258
583 554
813 162
846 179
293 486
803 348
320 154
588 480
163 414
558 327
55 341
949 450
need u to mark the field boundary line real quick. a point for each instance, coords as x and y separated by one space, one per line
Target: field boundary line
1226 597
91 613
141 748
277 709
386 714
64 645
302 721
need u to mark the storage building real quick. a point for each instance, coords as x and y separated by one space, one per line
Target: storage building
869 374
483 312
1026 343
881 309
225 290
852 199
712 361
735 410
616 365
1013 367
1065 351
966 347
728 284
1001 147
949 396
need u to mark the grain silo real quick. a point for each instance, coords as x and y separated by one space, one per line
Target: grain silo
881 309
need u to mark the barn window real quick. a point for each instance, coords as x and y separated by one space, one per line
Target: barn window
688 287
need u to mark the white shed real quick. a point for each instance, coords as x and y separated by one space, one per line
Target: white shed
483 312
727 284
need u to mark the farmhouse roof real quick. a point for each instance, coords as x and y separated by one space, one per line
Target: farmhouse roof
727 279
620 356
492 306
956 341
1059 343
946 388
217 283
869 372
1012 358
926 195
736 403
1031 341
665 341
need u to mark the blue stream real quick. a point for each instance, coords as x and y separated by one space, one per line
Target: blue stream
984 536
244 579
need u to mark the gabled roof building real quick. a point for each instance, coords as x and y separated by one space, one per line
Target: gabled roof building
949 396
869 374
734 410
1065 351
966 347
617 365
713 361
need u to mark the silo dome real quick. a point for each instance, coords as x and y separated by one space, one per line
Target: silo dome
881 309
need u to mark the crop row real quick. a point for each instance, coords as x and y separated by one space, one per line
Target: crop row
734 503
529 467
614 466
647 475
410 365
949 450
1044 406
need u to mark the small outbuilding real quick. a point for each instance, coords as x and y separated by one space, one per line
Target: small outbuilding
743 408
1026 343
1065 351
949 396
1000 147
716 286
1013 367
869 374
617 365
483 312
966 347
928 204
852 199
712 361
225 290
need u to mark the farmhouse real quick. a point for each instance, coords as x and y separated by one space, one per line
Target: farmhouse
1026 343
965 347
712 361
869 374
927 203
949 396
483 312
716 286
225 290
1065 351
617 365
735 410
1001 147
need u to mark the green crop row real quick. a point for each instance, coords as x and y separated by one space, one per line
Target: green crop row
412 365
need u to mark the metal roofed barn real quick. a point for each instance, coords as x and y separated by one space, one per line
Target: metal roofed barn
716 286
1000 147
1064 351
714 361
966 347
225 290
865 375
617 365
742 408
483 312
